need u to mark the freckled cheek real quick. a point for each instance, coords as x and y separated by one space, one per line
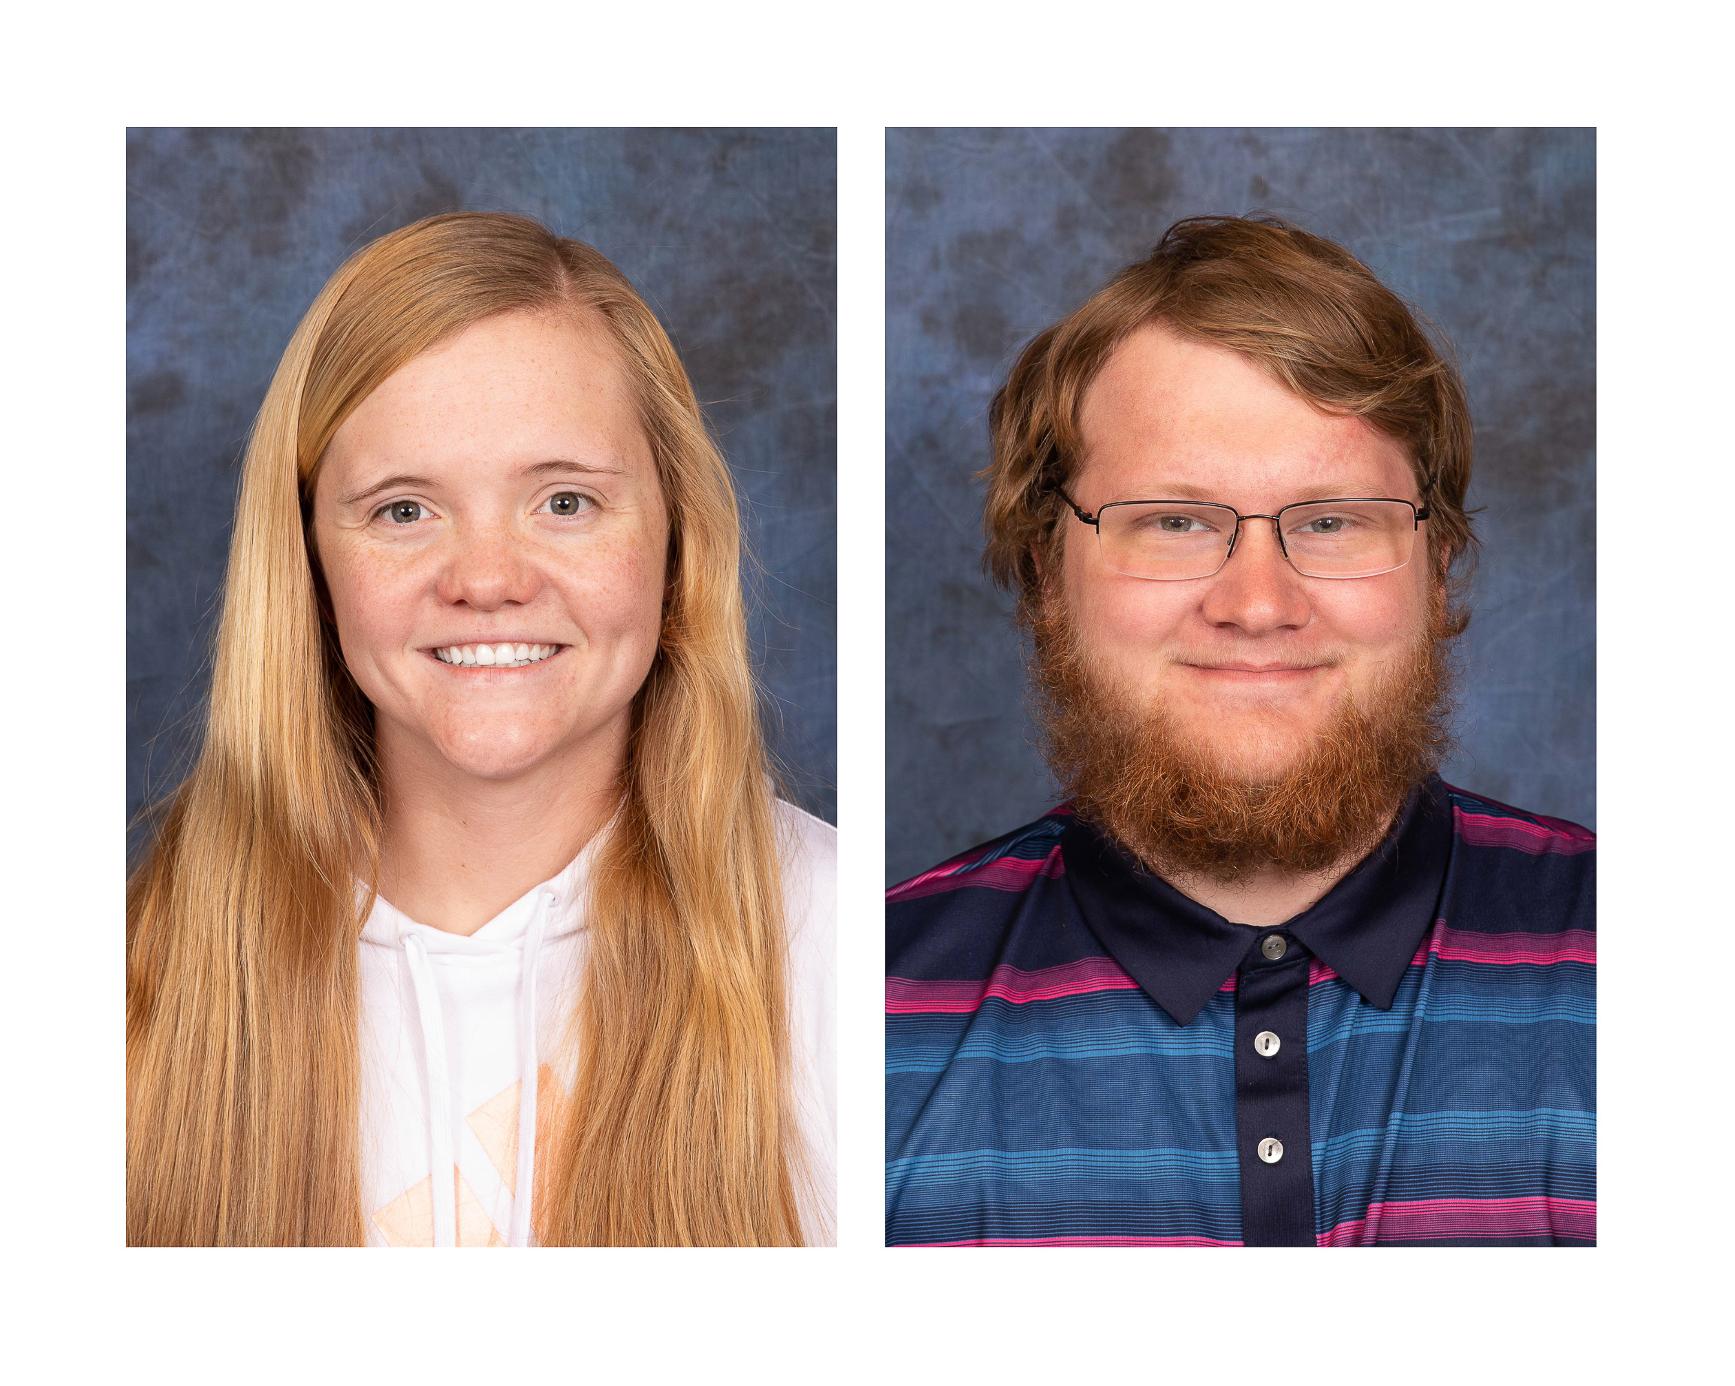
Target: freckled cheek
374 600
617 594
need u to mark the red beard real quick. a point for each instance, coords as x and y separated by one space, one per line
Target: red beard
1132 770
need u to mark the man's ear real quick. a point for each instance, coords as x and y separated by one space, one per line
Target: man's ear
1036 560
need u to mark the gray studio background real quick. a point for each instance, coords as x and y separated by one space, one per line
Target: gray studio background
993 234
729 234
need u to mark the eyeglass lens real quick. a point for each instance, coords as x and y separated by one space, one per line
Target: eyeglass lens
1174 541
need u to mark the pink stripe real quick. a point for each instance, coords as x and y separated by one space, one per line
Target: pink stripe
1006 873
907 996
1536 838
1464 945
936 873
1494 950
1083 1241
1431 1218
1318 972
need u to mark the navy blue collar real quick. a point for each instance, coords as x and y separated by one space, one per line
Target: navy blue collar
1366 928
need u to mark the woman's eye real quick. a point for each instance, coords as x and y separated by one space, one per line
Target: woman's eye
402 513
570 503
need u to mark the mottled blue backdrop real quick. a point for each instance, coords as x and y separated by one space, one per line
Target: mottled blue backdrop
991 235
729 234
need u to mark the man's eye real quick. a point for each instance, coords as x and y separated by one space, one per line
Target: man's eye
402 513
1171 522
570 503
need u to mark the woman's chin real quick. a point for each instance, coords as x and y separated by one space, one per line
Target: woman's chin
507 756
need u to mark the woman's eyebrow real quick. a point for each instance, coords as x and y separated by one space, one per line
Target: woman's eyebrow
535 469
389 484
540 469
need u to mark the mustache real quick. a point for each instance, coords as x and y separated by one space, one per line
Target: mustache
1258 659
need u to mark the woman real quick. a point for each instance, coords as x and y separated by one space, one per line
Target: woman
477 920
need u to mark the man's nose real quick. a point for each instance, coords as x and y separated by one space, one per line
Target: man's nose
487 567
1258 590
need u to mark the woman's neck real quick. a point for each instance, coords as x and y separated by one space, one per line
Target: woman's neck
457 849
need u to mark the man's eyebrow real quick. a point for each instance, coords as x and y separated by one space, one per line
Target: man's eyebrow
1333 490
1330 490
1172 490
404 480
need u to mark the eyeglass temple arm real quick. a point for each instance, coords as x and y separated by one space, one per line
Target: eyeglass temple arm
1073 505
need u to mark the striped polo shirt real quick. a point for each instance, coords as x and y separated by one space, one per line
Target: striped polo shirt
1079 1054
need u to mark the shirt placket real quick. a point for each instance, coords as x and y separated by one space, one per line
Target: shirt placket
1271 1116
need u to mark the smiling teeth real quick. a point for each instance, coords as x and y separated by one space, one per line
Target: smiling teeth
497 656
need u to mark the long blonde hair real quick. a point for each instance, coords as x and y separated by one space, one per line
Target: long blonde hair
243 1072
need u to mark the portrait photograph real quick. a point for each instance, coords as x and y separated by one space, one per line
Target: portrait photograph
481 686
1240 731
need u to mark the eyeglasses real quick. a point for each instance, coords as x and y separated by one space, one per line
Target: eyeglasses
1173 541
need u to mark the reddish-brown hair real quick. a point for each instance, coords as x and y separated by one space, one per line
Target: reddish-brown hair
1299 305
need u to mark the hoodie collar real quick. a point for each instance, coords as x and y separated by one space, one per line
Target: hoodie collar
1366 928
388 925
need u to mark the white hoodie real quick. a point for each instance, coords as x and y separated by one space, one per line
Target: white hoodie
458 1032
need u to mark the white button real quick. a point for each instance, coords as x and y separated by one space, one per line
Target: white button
1267 1043
1271 1150
1274 947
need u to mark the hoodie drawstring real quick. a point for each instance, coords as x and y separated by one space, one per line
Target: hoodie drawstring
525 1183
444 1176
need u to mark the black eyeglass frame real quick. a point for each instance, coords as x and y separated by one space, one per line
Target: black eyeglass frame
1094 520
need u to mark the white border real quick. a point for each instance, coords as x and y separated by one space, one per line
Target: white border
1641 1301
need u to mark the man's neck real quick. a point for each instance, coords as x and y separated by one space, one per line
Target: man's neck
457 849
1268 898
1265 899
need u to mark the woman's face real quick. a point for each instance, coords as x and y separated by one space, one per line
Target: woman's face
496 491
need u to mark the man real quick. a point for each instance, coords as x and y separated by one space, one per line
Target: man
1264 979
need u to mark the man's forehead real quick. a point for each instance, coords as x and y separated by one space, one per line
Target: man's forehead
1196 418
1294 472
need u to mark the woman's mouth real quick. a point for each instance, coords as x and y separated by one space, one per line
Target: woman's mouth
506 655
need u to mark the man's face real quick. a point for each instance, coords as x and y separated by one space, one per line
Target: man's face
1170 418
1256 719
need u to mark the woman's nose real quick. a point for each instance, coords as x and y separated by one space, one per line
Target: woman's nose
488 568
